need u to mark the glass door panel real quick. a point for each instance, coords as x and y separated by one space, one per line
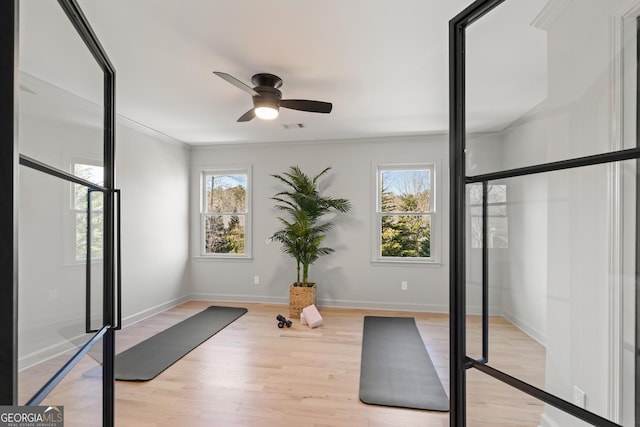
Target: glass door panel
550 280
506 88
61 90
546 142
66 287
53 289
548 82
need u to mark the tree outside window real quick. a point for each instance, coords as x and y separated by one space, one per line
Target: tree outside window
405 212
497 220
80 197
225 213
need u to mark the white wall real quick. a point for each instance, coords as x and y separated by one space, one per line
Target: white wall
153 175
154 178
347 277
524 301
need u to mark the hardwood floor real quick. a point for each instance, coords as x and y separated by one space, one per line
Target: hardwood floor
254 374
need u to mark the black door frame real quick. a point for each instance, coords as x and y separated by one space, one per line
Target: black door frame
8 201
9 164
637 246
459 361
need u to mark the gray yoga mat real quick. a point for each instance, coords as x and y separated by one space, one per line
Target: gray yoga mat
147 359
396 369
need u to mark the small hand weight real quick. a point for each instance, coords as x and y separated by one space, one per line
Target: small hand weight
282 321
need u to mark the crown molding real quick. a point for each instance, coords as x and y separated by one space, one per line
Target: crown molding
150 131
549 13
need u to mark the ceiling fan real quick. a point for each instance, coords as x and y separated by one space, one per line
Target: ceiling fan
267 98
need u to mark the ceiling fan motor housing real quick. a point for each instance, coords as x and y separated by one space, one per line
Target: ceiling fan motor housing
266 79
269 97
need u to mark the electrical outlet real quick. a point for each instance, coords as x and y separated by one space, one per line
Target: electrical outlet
256 280
403 285
579 397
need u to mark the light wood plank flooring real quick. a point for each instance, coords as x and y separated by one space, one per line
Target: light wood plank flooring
254 374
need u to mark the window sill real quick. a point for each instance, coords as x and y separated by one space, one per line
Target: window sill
408 262
205 258
83 264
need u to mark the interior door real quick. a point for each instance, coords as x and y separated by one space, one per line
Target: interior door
67 287
543 173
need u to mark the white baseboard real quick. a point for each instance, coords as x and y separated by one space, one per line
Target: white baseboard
46 353
477 310
67 344
368 305
152 311
534 333
545 421
389 306
64 333
239 298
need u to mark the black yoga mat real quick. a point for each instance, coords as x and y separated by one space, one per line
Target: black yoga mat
147 359
396 369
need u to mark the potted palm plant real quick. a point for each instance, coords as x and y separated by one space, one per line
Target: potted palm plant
304 228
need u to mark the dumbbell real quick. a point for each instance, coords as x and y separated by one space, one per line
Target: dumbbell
282 321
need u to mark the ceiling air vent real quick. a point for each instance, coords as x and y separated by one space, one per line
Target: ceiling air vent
293 125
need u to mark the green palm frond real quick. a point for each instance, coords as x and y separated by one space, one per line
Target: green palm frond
303 231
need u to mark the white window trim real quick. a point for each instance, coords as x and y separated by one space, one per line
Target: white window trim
69 215
224 170
376 255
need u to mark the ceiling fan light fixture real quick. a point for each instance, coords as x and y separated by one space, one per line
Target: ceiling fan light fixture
267 98
267 112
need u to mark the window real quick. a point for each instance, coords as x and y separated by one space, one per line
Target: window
225 217
80 195
405 212
497 221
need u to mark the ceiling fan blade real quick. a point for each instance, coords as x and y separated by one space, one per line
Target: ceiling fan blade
237 83
247 116
307 105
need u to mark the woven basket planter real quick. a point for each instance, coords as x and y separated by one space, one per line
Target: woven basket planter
299 298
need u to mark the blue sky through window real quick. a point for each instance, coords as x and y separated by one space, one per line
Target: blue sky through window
226 181
406 181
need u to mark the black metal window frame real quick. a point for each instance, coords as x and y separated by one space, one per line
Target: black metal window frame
11 159
459 362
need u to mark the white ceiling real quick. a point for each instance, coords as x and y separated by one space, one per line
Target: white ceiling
383 64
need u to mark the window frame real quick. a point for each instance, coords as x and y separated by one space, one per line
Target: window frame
376 256
71 215
492 236
226 170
